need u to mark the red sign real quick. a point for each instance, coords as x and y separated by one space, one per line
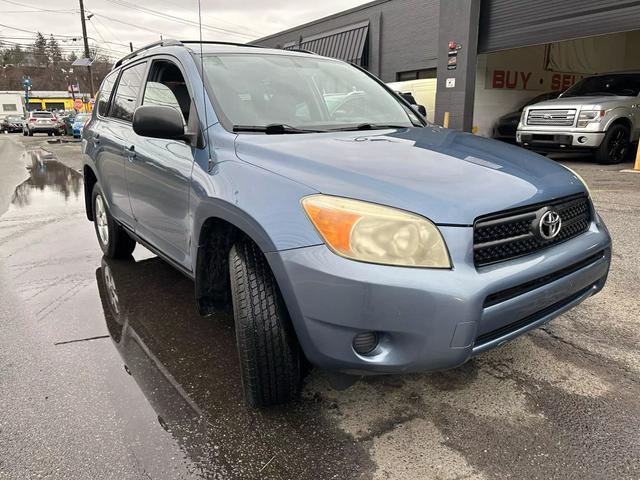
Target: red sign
77 104
526 80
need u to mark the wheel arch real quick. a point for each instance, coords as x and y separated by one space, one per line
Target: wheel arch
216 234
621 118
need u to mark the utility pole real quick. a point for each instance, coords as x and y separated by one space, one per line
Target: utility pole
86 44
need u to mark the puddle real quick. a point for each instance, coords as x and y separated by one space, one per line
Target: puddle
51 184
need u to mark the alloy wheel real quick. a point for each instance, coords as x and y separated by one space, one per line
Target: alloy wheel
101 220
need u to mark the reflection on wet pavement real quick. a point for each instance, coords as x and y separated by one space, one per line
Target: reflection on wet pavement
50 180
187 368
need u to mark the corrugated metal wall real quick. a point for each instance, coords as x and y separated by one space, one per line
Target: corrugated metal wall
516 23
346 44
403 34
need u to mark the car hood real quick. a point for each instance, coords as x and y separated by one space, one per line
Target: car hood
447 176
582 101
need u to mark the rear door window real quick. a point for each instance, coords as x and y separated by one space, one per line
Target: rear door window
126 96
105 93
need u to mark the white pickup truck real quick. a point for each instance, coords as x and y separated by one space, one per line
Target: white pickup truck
600 113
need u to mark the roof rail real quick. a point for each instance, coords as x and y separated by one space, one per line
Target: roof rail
135 53
300 50
214 42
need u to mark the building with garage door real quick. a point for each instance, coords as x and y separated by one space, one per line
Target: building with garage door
476 59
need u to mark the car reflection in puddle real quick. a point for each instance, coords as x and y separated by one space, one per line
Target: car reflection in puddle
187 368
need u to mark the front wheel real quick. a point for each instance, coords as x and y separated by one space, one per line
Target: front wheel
270 358
113 239
614 146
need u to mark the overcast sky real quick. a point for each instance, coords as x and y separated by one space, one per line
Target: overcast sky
115 23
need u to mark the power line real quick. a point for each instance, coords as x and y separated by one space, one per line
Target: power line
244 27
36 8
173 18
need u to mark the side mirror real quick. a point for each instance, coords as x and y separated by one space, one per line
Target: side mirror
158 122
421 109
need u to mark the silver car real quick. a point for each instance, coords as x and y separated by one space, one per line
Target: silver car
599 114
41 122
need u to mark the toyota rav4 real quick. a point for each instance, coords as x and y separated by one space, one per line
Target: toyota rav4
344 230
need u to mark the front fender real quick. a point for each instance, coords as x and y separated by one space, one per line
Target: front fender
617 113
264 205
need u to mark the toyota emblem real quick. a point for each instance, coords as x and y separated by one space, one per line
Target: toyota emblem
549 225
547 116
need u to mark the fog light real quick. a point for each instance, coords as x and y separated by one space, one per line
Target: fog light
582 139
366 342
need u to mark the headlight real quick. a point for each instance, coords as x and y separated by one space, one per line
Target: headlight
579 178
523 117
377 234
589 116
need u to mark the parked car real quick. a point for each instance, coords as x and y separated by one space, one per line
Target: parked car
364 241
41 121
78 123
12 123
599 114
506 127
68 123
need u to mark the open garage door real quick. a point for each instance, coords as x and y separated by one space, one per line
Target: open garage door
508 79
508 24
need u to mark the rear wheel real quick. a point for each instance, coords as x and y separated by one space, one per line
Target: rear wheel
269 353
30 133
24 132
114 241
614 146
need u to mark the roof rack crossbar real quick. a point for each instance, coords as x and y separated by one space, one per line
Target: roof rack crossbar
135 53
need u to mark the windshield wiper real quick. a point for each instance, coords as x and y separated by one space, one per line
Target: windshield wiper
369 126
274 129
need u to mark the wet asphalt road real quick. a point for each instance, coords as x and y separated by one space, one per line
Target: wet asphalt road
107 371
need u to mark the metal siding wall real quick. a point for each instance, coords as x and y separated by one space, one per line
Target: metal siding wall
403 34
516 23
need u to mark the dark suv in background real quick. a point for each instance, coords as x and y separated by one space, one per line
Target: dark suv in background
344 229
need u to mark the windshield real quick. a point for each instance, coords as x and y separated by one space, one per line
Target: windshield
14 119
299 92
626 85
42 114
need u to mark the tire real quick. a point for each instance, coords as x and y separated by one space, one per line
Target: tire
615 145
30 133
270 358
24 132
114 241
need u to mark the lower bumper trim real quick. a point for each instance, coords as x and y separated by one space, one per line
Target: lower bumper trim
504 331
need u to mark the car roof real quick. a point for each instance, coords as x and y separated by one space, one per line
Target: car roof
207 47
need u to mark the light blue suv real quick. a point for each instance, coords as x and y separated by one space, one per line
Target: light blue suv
345 230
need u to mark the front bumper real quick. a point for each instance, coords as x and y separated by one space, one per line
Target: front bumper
432 319
558 140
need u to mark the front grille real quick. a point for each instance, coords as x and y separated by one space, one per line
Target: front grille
551 117
507 235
